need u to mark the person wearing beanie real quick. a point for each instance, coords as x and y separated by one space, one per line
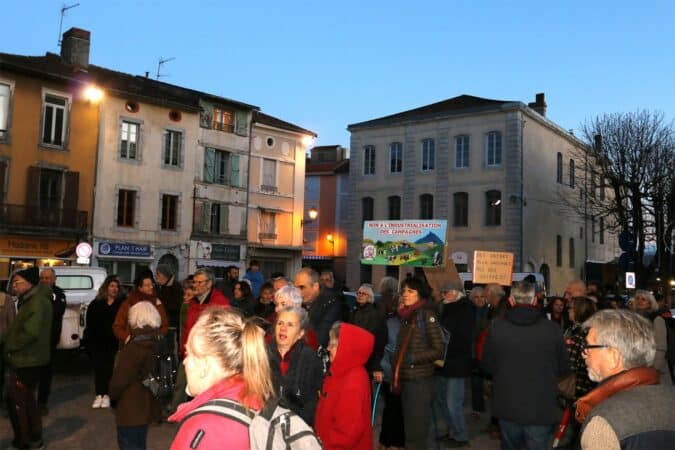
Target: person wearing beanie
170 292
27 349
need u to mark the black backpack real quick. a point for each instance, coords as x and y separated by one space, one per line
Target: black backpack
670 339
161 380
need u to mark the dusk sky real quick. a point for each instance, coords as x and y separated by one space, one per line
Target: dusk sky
323 65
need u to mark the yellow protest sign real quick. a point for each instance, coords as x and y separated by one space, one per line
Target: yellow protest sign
492 267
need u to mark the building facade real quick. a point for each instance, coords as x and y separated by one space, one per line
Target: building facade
48 138
498 171
276 194
326 183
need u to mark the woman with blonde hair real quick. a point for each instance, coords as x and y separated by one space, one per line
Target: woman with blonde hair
225 359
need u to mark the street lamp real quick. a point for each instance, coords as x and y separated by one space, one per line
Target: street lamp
313 214
93 94
330 238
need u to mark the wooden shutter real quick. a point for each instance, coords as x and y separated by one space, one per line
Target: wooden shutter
3 172
71 191
234 172
205 218
241 124
209 164
33 186
224 219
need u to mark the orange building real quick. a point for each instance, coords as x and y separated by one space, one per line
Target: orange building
48 140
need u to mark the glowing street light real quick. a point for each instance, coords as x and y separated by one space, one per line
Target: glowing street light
93 94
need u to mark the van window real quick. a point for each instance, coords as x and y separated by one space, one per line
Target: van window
70 282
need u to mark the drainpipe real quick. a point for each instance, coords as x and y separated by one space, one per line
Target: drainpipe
522 194
98 167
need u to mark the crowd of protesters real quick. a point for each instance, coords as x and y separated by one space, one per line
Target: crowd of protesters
584 365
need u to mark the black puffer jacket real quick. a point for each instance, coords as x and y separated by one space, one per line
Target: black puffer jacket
299 388
458 319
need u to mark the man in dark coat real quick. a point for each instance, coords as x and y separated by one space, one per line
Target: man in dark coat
48 278
170 292
457 317
526 356
324 309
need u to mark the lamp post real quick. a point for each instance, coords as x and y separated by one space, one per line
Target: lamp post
330 238
313 214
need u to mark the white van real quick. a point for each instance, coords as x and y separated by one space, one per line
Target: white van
467 279
80 284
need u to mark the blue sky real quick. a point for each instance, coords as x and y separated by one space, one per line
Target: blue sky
323 65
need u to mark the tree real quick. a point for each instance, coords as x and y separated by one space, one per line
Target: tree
630 157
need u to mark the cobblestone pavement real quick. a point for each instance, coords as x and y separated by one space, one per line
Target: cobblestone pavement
73 425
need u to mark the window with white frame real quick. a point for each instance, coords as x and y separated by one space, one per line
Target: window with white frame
369 160
428 155
268 228
173 144
395 157
126 207
269 175
221 167
54 120
461 151
5 96
559 168
169 212
129 137
493 148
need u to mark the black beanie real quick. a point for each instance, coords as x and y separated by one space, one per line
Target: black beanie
32 275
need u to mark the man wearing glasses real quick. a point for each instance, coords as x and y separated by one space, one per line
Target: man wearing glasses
629 408
27 348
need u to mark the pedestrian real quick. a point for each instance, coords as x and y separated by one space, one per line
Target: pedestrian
225 359
297 371
144 291
646 306
458 318
344 410
170 292
264 307
136 406
419 344
27 349
555 311
526 357
323 307
629 409
580 310
58 297
243 300
7 314
254 276
481 323
227 284
99 340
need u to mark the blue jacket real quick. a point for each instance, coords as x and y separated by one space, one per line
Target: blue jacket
257 280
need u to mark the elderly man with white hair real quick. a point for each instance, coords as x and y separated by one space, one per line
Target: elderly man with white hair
645 304
629 409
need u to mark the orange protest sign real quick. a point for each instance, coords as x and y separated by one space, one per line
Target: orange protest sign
492 267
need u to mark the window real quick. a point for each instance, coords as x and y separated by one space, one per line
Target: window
428 155
5 93
396 157
366 209
221 167
169 211
223 120
126 207
592 229
54 120
365 273
602 188
394 207
558 251
461 151
269 178
559 168
173 143
493 148
129 135
268 229
211 217
461 209
51 189
571 255
493 208
426 206
572 174
369 160
594 185
581 232
602 230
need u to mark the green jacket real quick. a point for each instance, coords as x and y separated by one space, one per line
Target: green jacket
28 341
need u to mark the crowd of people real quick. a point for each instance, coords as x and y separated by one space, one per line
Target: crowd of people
590 367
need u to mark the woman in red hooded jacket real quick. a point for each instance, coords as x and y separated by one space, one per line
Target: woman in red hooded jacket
343 413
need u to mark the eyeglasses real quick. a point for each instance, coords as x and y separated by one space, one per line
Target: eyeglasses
585 347
362 293
200 281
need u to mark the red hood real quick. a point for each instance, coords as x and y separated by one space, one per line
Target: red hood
354 348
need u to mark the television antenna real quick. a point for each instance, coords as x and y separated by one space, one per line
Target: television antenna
160 64
64 8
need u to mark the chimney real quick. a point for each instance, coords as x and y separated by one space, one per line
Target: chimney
539 104
597 143
75 48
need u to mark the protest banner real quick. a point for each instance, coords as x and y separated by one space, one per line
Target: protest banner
416 243
492 267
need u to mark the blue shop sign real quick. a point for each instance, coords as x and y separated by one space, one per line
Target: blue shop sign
123 249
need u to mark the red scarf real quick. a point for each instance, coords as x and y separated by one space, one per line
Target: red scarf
404 312
639 376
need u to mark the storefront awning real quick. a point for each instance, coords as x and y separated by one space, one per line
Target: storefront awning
216 262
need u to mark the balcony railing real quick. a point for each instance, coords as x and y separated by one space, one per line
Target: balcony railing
36 217
269 236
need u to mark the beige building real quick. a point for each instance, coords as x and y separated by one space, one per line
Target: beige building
497 171
276 194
